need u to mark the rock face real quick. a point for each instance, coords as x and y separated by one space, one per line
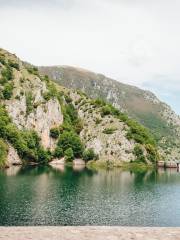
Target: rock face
142 105
28 108
106 135
44 118
13 158
34 102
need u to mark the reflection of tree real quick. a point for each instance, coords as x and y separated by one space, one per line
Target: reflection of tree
142 178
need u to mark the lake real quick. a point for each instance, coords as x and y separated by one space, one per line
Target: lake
66 196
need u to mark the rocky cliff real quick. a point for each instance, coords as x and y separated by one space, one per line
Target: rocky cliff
40 121
141 105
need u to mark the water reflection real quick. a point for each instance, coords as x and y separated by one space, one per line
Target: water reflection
65 196
12 171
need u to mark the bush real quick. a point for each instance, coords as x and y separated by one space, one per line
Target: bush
106 110
78 126
71 119
152 154
26 142
13 65
139 133
98 121
89 154
68 99
33 70
43 155
52 91
71 140
72 113
58 153
2 60
54 132
8 91
69 155
139 153
109 130
3 153
98 102
7 73
29 103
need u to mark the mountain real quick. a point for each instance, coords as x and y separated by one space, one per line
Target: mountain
139 104
41 121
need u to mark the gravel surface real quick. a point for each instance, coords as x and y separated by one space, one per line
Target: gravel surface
88 233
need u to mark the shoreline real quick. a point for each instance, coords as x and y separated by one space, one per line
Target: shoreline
90 232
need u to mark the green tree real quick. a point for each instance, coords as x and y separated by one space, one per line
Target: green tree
69 155
89 154
3 153
7 91
71 140
58 153
54 132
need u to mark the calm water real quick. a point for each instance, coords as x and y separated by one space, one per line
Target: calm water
47 196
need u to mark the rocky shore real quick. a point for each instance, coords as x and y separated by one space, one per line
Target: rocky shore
89 233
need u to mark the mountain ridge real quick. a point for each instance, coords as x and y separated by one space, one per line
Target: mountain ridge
140 104
41 121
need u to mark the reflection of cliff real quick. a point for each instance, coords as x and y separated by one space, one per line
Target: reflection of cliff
168 176
47 196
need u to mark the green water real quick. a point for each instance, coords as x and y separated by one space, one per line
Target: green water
47 196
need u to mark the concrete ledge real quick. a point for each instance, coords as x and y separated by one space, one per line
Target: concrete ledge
88 233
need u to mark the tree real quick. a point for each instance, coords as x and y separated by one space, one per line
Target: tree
69 155
54 132
7 91
71 140
89 154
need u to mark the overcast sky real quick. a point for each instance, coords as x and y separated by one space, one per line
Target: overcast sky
133 41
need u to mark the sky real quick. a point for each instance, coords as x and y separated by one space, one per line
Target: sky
133 41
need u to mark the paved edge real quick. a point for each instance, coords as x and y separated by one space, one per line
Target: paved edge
88 233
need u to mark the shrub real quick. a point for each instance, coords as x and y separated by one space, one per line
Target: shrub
89 154
72 113
109 130
139 133
139 153
71 119
43 155
71 140
2 60
98 102
98 121
47 96
7 91
52 91
58 153
13 65
69 155
54 132
7 73
78 126
27 143
152 154
68 99
3 80
106 110
33 70
29 103
3 153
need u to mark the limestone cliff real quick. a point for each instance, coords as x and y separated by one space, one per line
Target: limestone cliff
37 115
139 104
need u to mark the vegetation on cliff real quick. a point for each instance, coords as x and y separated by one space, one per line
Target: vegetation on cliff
139 104
26 142
23 86
3 153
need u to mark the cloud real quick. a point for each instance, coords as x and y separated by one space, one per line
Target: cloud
134 41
